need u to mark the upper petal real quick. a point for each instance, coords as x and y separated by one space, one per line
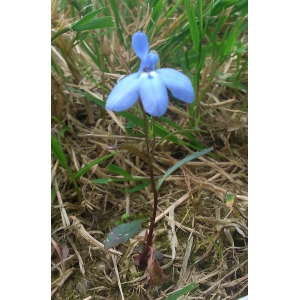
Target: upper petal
153 58
178 83
140 45
124 94
148 64
154 94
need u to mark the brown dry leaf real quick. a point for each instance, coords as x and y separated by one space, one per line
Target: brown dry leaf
156 275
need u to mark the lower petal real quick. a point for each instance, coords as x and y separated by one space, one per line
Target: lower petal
179 84
154 94
124 94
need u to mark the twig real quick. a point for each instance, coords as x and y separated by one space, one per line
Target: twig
173 237
68 273
177 203
90 239
64 215
117 274
219 281
81 264
217 104
185 261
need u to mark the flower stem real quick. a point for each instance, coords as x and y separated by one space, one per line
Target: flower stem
150 150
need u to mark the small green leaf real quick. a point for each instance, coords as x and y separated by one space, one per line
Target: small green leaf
222 5
137 188
118 170
241 49
122 233
125 216
56 149
183 291
86 18
217 247
103 22
104 180
53 194
234 84
58 152
230 200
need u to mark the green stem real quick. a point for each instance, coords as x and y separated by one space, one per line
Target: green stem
59 32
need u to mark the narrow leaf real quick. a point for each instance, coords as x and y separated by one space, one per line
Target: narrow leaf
63 161
134 150
118 170
186 289
86 18
58 152
180 163
190 11
53 194
82 171
137 188
122 233
115 9
103 22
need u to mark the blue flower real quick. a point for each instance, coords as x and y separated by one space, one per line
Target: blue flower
149 83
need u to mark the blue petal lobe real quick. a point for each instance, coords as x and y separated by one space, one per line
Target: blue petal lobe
140 45
154 94
178 83
153 58
124 94
148 64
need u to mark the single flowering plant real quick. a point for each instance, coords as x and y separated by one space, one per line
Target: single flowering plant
149 83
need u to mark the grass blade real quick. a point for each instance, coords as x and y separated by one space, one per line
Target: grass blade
180 163
82 171
190 11
103 22
137 188
183 291
118 170
87 18
63 161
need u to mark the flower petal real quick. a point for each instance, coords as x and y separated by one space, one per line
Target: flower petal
154 94
178 83
124 94
140 45
152 58
148 64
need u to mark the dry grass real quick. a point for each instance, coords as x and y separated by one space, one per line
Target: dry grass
203 239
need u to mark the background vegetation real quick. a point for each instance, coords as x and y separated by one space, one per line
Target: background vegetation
202 224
